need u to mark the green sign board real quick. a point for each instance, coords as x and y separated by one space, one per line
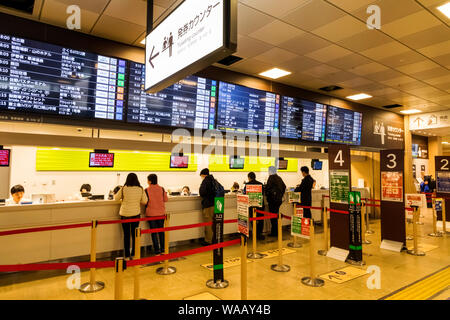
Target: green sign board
339 186
219 205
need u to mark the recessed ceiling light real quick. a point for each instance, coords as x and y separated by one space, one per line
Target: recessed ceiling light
360 96
413 111
275 73
143 42
445 9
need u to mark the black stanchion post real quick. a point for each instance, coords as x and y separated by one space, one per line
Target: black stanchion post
218 282
355 256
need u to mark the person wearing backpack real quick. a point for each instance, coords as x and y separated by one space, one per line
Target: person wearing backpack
157 197
274 190
209 189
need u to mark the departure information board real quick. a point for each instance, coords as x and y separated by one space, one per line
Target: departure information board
314 121
50 79
291 118
246 110
344 126
190 103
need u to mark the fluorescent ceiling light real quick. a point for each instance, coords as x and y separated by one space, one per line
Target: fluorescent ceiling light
143 41
360 96
445 9
275 73
445 142
413 111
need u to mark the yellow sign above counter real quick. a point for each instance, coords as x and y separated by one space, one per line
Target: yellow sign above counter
221 163
64 159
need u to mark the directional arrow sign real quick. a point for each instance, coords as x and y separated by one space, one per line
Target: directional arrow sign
153 57
193 36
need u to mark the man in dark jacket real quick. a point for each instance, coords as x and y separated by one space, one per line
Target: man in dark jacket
260 223
274 190
208 193
305 188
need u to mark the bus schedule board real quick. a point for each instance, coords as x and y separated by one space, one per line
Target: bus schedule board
193 36
442 174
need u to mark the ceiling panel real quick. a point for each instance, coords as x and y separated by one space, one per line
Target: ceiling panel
328 53
341 28
124 31
281 8
276 55
411 24
250 20
313 15
304 44
276 32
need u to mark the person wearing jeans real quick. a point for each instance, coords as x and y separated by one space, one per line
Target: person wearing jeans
157 197
132 196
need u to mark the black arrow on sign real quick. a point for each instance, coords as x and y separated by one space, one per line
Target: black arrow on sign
153 57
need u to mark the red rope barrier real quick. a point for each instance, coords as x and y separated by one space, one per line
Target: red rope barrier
312 208
56 266
182 253
111 264
409 209
42 229
372 200
132 220
373 205
338 211
287 217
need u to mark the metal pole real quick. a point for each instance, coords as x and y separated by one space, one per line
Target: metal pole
368 221
416 251
435 232
137 256
92 285
280 267
243 267
363 224
118 289
325 232
312 281
444 218
166 269
254 254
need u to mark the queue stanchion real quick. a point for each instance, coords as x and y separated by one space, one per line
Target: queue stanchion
363 224
243 267
415 251
312 281
408 221
254 254
435 232
137 256
120 267
166 269
325 232
280 267
92 285
368 230
444 219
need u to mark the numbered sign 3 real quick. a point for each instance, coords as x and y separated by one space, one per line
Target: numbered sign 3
392 160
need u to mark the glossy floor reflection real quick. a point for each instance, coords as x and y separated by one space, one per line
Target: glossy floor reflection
397 271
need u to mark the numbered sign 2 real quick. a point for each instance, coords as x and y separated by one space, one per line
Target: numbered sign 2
339 157
392 160
443 163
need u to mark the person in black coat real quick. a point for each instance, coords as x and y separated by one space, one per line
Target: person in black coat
274 191
260 223
208 193
305 189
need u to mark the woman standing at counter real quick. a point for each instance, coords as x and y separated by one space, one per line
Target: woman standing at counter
157 196
132 196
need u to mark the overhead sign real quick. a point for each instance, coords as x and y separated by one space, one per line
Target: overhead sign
195 35
391 133
429 120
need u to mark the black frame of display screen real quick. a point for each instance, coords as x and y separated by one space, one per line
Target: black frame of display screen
73 120
65 119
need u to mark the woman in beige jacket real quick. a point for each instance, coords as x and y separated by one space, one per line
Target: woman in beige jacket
132 196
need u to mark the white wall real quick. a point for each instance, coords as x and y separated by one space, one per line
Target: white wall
419 163
66 184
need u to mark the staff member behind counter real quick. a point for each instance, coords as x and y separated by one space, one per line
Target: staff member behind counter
17 193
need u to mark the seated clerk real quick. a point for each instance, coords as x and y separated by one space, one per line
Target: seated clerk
186 191
85 190
235 187
260 223
17 193
305 188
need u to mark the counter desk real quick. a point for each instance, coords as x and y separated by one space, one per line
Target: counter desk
62 244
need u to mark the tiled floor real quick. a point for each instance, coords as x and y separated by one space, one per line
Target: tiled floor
397 271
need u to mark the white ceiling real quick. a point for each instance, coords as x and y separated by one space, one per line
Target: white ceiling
323 42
